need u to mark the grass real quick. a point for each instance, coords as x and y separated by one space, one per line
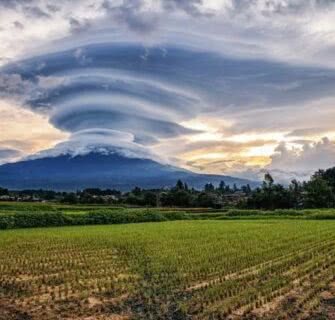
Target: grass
169 270
29 215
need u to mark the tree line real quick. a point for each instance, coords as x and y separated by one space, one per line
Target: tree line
318 192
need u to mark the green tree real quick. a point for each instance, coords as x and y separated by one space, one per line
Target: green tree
222 187
270 196
209 187
246 189
318 193
268 180
296 194
208 200
3 192
327 175
137 191
150 199
180 185
176 198
70 198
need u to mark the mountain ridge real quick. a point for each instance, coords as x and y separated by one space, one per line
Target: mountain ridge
75 172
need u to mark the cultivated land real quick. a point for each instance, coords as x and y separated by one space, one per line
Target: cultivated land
266 269
31 215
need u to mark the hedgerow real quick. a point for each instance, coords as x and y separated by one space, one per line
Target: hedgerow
53 219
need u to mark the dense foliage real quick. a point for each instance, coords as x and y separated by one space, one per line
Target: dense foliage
32 219
14 215
318 192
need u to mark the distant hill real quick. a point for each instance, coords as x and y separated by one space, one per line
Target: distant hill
66 172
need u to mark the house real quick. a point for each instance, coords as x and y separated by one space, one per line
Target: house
7 198
235 198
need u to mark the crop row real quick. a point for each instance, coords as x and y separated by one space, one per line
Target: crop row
171 270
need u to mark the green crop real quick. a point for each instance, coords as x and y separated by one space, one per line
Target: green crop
168 270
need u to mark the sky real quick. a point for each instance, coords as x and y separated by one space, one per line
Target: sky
235 87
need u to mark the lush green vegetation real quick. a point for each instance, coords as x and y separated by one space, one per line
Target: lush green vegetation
318 192
31 215
173 270
13 215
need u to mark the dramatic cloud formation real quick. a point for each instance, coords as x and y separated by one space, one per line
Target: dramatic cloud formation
224 86
304 161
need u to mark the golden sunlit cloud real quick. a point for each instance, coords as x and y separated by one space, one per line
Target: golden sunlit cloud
211 128
32 131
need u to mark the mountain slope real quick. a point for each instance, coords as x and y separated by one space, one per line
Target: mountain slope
66 172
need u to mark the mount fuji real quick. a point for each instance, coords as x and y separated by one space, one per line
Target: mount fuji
68 172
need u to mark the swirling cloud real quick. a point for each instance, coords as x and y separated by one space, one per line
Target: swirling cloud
106 86
171 74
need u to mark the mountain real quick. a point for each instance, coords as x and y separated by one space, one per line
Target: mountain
66 172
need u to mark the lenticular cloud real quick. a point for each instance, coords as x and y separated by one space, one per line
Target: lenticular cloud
147 93
111 87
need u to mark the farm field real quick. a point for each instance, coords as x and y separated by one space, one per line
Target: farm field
15 215
262 269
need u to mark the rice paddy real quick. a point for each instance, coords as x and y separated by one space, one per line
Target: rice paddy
266 269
